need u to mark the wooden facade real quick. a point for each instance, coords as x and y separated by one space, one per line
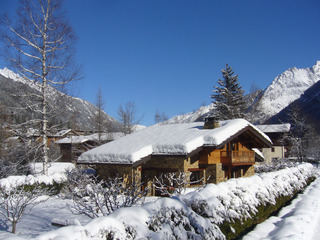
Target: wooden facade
234 157
71 151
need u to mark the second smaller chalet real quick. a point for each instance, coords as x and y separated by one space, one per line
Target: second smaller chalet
221 150
276 132
71 147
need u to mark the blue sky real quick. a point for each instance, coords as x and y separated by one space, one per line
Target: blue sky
167 55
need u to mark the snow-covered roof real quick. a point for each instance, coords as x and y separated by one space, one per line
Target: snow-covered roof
274 128
92 137
258 153
166 139
63 132
9 139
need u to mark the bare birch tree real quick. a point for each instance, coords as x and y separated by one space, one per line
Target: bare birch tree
39 46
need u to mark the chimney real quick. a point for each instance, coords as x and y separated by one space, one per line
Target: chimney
210 123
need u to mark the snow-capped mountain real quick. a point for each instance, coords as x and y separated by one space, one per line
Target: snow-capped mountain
67 111
285 88
197 115
7 73
307 106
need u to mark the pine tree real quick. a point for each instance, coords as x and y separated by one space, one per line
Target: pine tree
228 96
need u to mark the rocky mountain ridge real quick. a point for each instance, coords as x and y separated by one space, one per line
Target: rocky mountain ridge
68 112
285 88
307 107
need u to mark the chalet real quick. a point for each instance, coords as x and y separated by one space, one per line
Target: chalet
276 132
65 133
72 146
221 150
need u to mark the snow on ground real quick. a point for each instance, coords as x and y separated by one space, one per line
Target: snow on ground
53 168
39 220
56 173
299 220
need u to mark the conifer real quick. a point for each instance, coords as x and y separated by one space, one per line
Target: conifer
228 96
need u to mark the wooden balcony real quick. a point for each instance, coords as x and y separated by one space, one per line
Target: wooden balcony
229 158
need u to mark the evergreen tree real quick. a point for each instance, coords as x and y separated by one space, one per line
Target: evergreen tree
228 96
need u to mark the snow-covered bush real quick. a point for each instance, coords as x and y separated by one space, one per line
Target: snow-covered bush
238 202
206 214
18 200
175 183
96 198
180 223
76 178
276 165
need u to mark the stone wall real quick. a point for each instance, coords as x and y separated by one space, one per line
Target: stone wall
126 171
164 164
214 173
249 171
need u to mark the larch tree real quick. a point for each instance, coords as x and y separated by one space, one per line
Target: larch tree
100 118
228 96
160 117
39 45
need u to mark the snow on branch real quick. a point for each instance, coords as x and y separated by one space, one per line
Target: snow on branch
175 183
19 200
96 198
196 215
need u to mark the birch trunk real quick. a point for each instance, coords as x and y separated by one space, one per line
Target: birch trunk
39 47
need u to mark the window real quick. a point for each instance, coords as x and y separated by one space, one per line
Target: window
196 177
272 149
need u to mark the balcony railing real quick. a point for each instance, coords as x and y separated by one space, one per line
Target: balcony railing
234 157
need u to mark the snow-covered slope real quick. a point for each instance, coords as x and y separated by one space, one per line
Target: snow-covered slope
7 73
194 116
286 88
65 109
308 105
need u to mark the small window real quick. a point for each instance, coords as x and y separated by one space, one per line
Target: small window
272 149
196 177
